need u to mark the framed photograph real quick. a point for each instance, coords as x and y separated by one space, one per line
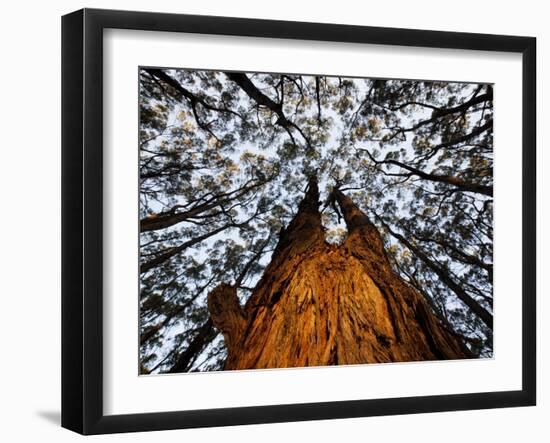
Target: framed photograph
269 221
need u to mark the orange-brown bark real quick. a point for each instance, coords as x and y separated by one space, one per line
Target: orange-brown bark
320 304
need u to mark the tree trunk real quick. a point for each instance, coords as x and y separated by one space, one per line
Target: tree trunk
319 304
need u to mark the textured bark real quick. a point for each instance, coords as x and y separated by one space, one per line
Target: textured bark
226 313
320 304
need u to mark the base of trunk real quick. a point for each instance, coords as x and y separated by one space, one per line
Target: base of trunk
319 304
325 309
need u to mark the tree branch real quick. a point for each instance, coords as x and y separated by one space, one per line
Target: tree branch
448 179
206 334
479 310
263 100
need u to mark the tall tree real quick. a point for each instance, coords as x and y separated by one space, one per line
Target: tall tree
321 304
290 220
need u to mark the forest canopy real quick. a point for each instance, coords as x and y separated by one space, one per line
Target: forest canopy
226 159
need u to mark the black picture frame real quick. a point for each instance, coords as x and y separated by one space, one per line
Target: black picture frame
82 218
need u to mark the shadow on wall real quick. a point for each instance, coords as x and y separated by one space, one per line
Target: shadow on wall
53 417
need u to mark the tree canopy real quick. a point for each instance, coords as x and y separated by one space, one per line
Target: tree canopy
225 159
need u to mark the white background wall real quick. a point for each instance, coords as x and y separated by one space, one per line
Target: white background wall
30 218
